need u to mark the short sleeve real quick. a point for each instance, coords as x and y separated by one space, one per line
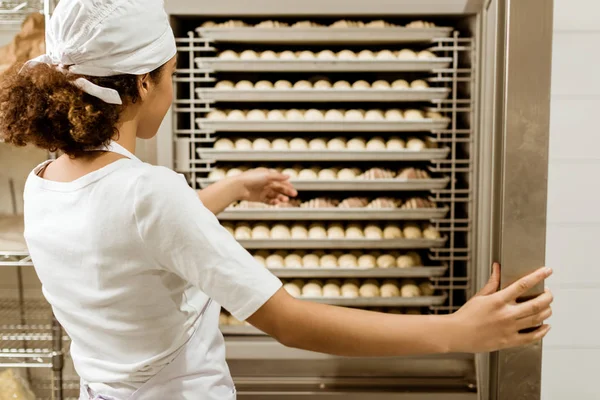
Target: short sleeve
186 238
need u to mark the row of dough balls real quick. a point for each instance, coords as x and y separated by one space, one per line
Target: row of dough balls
312 24
321 84
350 202
314 114
328 174
244 231
337 143
353 288
317 259
328 55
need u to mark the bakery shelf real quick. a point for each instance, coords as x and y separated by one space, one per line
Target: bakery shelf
241 330
341 244
360 185
422 301
323 155
321 95
223 65
332 214
425 125
26 346
324 35
15 259
313 273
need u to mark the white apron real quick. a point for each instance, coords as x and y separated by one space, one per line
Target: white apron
197 372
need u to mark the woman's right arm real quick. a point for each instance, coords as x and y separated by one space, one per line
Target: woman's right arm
490 321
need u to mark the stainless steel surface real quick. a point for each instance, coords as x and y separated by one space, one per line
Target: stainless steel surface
425 125
332 214
362 185
342 244
414 272
421 301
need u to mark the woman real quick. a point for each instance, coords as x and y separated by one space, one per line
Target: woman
136 267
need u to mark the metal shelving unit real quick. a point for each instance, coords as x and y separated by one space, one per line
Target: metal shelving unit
413 272
13 12
333 214
342 244
375 185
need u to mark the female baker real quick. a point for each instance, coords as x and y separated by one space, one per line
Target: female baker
135 263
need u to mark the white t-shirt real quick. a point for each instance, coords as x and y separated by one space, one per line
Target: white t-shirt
128 257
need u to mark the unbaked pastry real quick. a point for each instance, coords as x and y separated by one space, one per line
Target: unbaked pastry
375 144
311 261
412 231
303 85
306 55
415 257
248 55
234 172
415 144
291 172
307 174
377 173
346 174
390 288
381 84
229 228
261 231
366 55
419 84
293 261
413 173
383 202
317 144
354 231
417 202
276 115
354 202
313 288
216 114
335 231
420 24
209 24
229 55
356 144
294 115
244 85
400 84
386 261
374 115
385 55
261 258
224 144
373 232
322 84
314 115
406 54
327 174
243 144
317 231
430 232
329 261
346 55
342 85
261 144
350 289
348 261
392 232
405 261
369 289
256 115
293 289
287 55
354 115
298 144
378 24
336 144
413 115
271 24
236 115
426 289
409 289
361 85
224 85
305 24
326 55
394 115
268 55
217 174
332 288
298 231
334 115
280 231
243 232
319 203
282 85
434 115
263 85
425 55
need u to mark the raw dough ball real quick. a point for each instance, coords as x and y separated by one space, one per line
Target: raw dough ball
426 289
299 232
394 115
419 84
354 231
223 319
228 55
312 289
243 232
413 115
317 144
304 24
354 115
244 85
406 54
293 289
380 84
346 55
326 55
280 231
400 84
369 289
260 259
350 288
332 289
420 24
373 232
356 144
278 144
306 55
243 144
248 55
322 84
434 115
303 85
263 85
392 232
395 144
335 231
233 321
348 261
298 144
294 115
390 289
314 115
293 261
342 85
217 174
282 85
317 231
261 144
327 174
346 174
261 231
376 143
209 24
311 261
334 115
307 174
234 172
409 289
236 115
216 114
425 55
378 24
329 261
287 55
386 261
366 55
224 85
337 144
405 261
268 55
374 115
429 232
276 115
367 261
256 115
224 144
229 228
385 55
412 231
415 144
361 85
415 257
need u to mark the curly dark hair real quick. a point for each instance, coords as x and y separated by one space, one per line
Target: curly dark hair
41 106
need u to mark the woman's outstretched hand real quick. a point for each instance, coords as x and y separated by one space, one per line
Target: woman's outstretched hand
492 319
265 186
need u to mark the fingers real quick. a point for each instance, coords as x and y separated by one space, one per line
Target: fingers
532 337
534 306
284 188
274 175
534 320
493 283
521 286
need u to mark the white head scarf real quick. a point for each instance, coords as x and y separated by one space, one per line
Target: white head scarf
106 38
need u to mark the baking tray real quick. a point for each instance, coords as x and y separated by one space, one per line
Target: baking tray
360 185
333 214
422 301
323 35
313 273
323 155
223 65
424 125
341 244
321 95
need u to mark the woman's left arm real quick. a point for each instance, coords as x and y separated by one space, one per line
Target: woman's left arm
259 185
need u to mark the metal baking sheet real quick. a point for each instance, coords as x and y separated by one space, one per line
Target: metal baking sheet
362 185
421 301
324 35
310 273
342 244
333 214
424 125
323 155
321 95
220 65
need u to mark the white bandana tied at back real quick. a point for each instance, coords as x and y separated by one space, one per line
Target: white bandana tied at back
107 38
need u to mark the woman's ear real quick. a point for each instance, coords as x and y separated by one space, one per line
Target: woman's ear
144 82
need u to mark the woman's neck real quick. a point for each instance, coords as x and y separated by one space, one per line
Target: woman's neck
127 135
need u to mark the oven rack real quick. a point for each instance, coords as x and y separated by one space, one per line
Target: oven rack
359 185
333 214
341 244
375 273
